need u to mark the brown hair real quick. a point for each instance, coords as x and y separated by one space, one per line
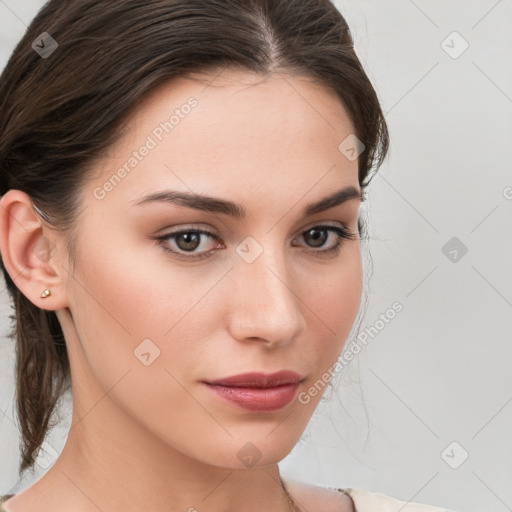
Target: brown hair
59 113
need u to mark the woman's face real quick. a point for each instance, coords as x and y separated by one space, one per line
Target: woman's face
155 315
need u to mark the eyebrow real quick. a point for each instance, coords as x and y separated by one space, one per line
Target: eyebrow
226 207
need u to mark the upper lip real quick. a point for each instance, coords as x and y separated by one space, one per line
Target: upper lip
259 380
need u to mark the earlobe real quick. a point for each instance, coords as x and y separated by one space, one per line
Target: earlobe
27 254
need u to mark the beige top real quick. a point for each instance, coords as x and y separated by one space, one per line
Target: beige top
364 501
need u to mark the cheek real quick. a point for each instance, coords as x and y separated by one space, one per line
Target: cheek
333 300
335 293
141 328
133 310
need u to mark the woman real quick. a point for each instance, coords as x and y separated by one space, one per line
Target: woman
180 230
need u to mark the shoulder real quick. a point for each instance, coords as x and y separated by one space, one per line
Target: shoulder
366 501
3 499
317 498
329 499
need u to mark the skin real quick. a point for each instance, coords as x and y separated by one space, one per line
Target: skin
153 437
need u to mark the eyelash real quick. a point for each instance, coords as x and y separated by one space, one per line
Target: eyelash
342 232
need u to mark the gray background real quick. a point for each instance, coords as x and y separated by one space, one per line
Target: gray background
433 387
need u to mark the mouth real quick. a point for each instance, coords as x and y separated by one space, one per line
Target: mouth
257 392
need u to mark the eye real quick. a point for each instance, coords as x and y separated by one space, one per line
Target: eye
187 241
317 236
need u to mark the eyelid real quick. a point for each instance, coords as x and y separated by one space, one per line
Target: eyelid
331 224
209 231
323 223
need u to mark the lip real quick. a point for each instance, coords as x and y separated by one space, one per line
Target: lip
259 380
257 392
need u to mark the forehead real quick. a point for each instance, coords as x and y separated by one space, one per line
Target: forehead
232 132
230 84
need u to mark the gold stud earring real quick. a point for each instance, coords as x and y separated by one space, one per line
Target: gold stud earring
46 293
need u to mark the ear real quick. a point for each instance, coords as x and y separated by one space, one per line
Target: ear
28 249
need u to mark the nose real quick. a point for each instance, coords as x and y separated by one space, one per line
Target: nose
265 306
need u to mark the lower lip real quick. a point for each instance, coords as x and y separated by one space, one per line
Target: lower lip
257 399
